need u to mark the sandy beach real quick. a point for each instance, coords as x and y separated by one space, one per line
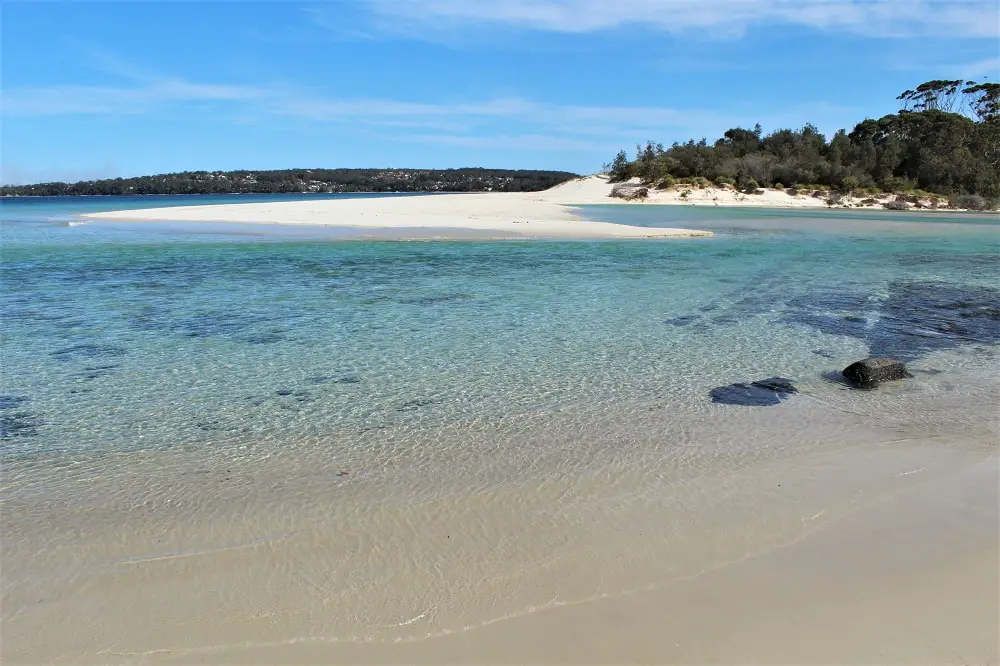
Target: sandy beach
493 215
224 450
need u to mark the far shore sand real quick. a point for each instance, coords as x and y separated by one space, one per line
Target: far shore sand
491 215
545 214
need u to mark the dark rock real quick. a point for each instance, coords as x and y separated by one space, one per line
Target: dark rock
284 392
869 372
762 393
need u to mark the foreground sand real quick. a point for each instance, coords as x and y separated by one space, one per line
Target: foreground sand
877 544
490 215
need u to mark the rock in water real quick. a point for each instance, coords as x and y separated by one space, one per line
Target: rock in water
762 393
869 372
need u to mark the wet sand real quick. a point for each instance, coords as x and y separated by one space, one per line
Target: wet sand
911 578
826 535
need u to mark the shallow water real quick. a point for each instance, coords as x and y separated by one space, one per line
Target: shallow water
168 380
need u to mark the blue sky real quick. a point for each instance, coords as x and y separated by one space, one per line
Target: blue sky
94 90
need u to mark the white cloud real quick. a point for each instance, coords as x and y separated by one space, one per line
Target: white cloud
513 142
875 18
977 69
499 114
78 99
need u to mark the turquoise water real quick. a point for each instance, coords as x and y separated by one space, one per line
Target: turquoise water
258 436
127 337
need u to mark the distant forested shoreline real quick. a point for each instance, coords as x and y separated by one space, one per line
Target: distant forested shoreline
306 180
945 140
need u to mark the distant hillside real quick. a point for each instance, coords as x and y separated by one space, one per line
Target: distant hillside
307 180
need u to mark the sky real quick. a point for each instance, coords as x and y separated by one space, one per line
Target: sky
116 89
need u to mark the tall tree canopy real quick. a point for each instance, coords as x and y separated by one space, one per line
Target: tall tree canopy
945 139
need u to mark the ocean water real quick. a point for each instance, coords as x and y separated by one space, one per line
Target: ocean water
158 375
130 337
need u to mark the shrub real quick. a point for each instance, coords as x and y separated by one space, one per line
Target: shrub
724 180
896 205
834 199
778 186
794 191
897 184
870 201
666 183
685 193
849 183
701 181
750 186
970 202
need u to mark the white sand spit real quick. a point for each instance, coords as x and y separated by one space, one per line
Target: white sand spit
491 215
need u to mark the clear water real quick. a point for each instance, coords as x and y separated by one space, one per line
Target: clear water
270 436
134 336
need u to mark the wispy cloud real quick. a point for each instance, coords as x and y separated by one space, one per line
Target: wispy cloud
875 18
954 67
513 142
987 67
138 96
79 99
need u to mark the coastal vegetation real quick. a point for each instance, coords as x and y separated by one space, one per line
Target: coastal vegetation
306 180
945 140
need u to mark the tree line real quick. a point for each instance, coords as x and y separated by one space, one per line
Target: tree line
945 140
306 180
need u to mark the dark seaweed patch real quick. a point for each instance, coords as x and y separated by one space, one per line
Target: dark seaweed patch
411 405
263 338
20 424
682 321
97 371
87 351
915 318
12 401
433 299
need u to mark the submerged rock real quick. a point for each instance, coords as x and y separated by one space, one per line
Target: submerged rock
869 372
762 393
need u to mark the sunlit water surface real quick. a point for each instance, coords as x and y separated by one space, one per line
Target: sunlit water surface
244 371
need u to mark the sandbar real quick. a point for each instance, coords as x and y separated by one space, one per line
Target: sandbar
547 214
